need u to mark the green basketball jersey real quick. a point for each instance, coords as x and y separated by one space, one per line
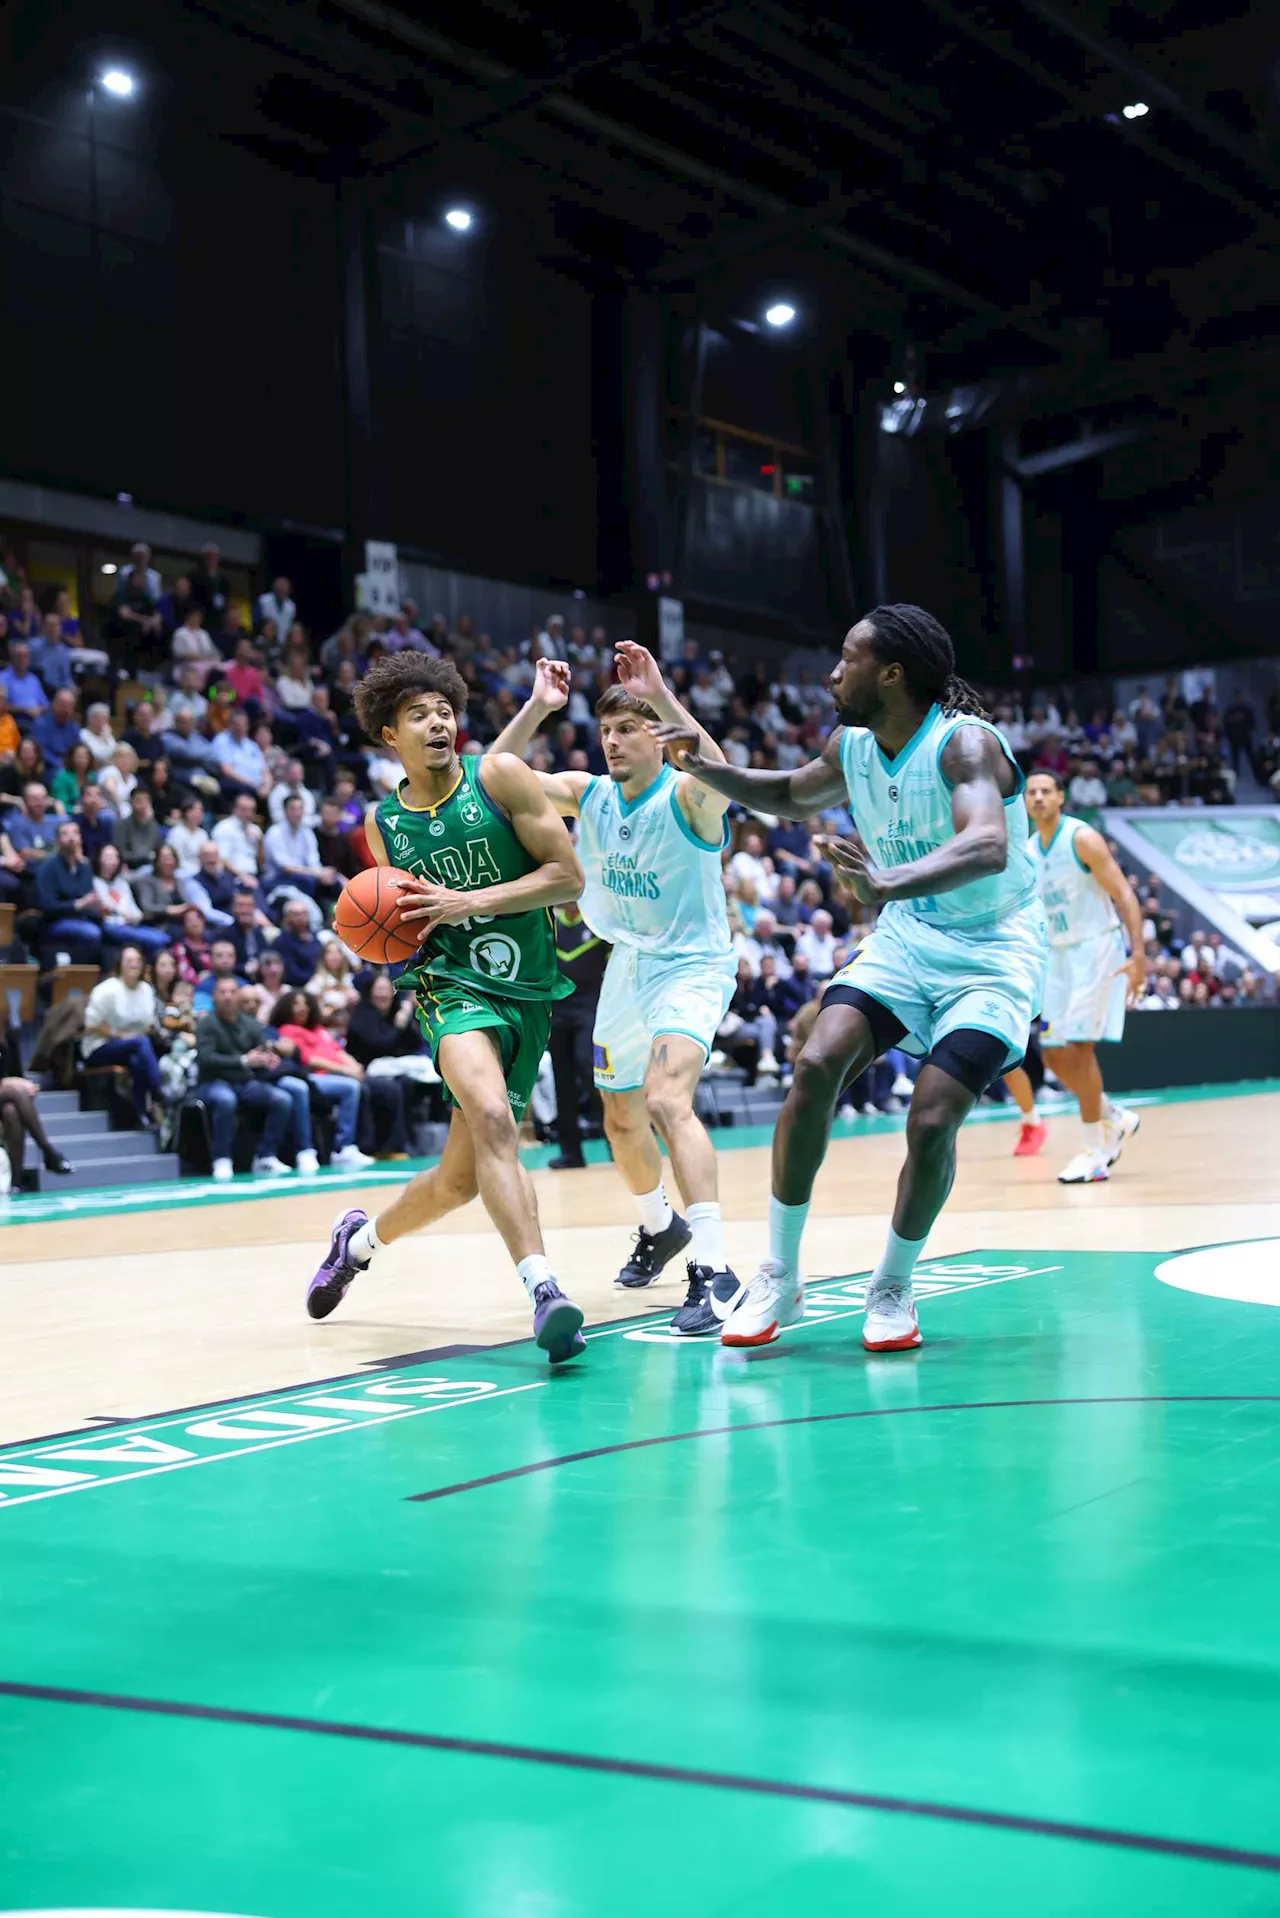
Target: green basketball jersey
466 843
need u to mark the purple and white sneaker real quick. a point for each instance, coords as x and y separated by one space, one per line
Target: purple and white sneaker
555 1323
329 1287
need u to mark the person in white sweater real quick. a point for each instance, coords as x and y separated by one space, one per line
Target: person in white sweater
118 1022
121 914
188 838
97 735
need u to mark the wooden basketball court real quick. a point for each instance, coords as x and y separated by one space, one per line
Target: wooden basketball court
675 1628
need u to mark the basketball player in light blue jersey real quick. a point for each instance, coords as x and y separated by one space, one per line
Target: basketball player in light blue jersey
650 841
1087 900
954 968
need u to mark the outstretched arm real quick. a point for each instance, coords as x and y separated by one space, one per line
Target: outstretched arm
982 779
641 675
550 693
797 795
537 824
1096 855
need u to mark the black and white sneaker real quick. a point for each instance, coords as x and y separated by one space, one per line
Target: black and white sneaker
652 1251
707 1301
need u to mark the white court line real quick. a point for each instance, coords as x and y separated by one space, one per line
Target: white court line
247 1451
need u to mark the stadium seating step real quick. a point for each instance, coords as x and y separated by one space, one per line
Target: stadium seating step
83 1145
132 1169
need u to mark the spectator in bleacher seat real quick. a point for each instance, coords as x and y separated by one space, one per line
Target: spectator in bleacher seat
748 1032
383 1027
260 995
227 634
278 605
818 945
239 838
192 646
141 733
70 907
169 791
237 1069
212 887
97 827
29 835
67 786
190 754
140 562
121 913
188 837
51 657
222 965
291 856
210 587
316 732
191 947
244 677
297 945
173 606
333 842
137 833
57 728
404 636
331 984
159 895
24 616
251 933
97 735
119 781
241 766
136 622
292 785
334 1073
294 681
9 734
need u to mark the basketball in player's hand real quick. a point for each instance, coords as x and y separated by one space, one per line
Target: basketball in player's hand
367 917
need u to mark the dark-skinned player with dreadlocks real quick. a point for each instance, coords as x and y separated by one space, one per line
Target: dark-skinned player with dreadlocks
953 970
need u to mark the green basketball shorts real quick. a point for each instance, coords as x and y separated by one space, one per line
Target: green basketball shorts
520 1026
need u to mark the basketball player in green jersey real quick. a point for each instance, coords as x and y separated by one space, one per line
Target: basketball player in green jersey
489 856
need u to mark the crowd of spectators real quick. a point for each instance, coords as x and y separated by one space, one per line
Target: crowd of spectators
182 798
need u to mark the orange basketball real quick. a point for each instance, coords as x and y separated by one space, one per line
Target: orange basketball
367 917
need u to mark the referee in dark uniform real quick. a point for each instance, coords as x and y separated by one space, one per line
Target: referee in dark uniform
582 958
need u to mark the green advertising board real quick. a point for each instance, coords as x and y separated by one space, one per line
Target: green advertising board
1215 849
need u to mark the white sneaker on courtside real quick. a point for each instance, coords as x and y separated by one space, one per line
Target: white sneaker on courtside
1087 1168
774 1298
266 1165
890 1323
1119 1125
223 1170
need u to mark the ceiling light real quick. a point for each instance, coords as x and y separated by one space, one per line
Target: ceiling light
1137 110
898 387
117 81
781 314
110 567
458 218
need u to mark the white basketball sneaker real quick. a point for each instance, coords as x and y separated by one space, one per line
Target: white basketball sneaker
774 1298
1119 1125
890 1323
1087 1168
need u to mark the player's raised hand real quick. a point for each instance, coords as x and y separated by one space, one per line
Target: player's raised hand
682 742
854 864
639 672
425 905
551 683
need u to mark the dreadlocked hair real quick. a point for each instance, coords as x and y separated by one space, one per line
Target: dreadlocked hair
909 637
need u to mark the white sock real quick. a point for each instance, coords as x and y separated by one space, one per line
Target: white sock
365 1242
708 1235
533 1271
786 1229
1093 1136
655 1209
1111 1112
897 1261
1032 1117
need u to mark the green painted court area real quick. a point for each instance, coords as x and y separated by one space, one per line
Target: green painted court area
989 1629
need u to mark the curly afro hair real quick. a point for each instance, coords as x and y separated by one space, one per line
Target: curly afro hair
402 676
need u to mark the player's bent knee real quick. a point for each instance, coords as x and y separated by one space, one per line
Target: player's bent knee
492 1126
668 1105
817 1078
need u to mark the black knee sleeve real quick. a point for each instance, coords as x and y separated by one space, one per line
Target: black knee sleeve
974 1058
886 1030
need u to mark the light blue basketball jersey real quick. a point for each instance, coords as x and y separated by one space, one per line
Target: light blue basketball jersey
902 809
651 883
1075 905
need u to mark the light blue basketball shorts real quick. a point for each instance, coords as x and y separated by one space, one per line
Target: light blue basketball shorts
1083 997
644 994
935 981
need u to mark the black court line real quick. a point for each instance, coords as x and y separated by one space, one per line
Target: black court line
655 1773
833 1418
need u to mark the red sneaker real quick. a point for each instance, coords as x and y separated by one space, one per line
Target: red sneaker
1030 1139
